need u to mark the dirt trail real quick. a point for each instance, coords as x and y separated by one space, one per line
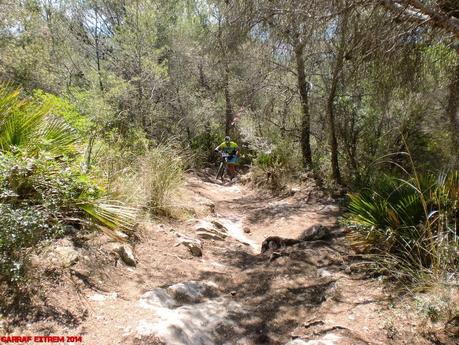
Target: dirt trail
309 293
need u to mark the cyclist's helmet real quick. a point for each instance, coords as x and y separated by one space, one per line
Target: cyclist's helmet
227 139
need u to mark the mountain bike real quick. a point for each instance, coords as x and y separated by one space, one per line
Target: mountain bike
223 167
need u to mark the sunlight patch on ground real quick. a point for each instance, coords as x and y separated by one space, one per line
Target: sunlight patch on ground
192 322
235 230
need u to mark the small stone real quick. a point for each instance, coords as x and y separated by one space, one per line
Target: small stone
123 251
121 234
195 246
126 254
247 230
65 256
324 273
331 209
100 297
209 235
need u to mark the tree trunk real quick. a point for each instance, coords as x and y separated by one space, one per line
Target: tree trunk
333 142
97 46
303 89
452 110
229 117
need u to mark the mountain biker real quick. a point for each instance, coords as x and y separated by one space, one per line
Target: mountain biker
232 150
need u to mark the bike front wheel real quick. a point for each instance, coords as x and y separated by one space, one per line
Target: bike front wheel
220 171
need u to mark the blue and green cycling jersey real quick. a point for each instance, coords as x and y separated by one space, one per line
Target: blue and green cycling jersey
230 149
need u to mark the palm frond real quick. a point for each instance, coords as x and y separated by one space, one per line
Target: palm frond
111 217
29 125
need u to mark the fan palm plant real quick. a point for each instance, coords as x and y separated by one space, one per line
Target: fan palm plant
414 220
31 179
30 126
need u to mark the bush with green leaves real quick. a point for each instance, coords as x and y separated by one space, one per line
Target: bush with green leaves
412 224
21 228
204 143
42 189
40 198
32 126
274 168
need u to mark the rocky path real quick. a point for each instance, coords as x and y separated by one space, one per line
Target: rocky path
308 293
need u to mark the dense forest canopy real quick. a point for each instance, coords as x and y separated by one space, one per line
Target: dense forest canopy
342 83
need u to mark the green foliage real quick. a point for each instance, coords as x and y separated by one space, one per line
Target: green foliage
412 222
143 176
21 228
273 169
204 143
161 172
64 109
31 126
42 191
37 197
40 198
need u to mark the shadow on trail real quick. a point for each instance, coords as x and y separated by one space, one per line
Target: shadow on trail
276 294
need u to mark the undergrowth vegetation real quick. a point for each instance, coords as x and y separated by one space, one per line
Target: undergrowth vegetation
147 179
273 167
411 224
51 187
42 198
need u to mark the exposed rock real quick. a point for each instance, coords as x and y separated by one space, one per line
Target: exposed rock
127 255
121 234
62 254
246 230
81 270
316 232
297 342
185 313
313 233
331 209
275 242
123 251
210 236
212 230
327 339
209 204
195 246
218 225
192 292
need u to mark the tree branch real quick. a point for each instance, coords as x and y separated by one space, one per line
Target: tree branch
415 10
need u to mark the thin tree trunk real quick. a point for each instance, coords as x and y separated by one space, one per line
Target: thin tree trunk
303 89
88 158
139 67
229 116
98 58
333 142
452 110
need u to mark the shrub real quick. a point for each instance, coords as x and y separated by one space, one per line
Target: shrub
21 228
204 143
273 169
40 198
161 173
412 222
31 126
42 191
149 180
